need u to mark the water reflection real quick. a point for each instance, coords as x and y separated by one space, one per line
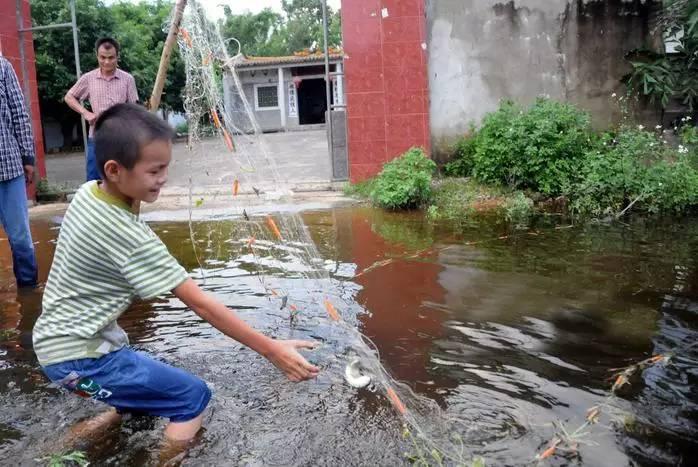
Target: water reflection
508 330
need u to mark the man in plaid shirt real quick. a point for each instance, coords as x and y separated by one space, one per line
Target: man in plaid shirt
16 170
104 87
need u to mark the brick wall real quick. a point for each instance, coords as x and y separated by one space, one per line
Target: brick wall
10 46
386 81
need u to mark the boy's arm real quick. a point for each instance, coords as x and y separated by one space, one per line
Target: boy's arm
283 354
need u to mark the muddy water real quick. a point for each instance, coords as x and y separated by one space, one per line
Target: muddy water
507 329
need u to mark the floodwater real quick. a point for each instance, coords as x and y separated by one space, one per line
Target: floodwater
509 330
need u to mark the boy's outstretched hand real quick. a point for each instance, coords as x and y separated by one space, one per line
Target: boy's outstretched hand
284 355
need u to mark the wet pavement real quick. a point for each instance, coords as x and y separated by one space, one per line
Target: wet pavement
301 157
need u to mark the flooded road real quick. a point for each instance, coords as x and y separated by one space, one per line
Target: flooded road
508 330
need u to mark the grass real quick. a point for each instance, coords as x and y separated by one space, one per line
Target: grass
361 189
460 198
66 459
6 334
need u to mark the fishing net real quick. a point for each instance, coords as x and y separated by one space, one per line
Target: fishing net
273 244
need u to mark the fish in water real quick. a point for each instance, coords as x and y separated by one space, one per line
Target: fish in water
284 301
352 373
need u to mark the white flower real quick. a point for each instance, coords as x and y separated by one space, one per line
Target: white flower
682 149
640 127
660 183
613 95
658 127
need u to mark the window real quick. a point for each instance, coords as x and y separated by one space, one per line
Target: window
266 97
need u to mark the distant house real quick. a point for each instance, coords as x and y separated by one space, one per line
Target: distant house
285 93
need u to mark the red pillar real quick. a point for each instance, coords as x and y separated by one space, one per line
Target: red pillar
10 45
386 81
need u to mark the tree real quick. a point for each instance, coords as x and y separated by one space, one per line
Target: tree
661 76
258 33
268 33
55 60
139 28
304 25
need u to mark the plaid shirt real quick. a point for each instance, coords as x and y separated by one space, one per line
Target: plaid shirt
16 140
104 92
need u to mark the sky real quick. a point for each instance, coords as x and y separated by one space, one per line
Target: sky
240 6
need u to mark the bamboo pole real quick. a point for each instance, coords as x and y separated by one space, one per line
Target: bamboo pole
154 102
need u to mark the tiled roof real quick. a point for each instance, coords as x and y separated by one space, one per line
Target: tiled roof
319 58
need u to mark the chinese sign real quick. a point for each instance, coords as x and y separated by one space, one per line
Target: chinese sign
292 101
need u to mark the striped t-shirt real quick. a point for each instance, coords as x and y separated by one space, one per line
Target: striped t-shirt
105 258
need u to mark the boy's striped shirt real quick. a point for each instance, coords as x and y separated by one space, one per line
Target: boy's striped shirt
105 258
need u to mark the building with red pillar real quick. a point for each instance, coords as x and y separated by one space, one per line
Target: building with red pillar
385 68
18 48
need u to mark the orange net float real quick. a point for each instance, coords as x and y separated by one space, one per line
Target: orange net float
228 141
185 35
236 187
214 117
331 310
273 227
395 400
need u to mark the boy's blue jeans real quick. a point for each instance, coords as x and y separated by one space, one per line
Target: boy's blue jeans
134 382
91 162
15 221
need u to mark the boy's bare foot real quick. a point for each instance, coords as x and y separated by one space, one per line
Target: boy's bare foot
177 439
84 435
92 430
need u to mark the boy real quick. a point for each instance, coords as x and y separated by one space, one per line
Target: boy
105 257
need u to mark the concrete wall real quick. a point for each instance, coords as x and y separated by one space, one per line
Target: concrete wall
483 51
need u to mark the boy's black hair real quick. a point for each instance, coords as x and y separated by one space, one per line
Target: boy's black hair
107 40
121 131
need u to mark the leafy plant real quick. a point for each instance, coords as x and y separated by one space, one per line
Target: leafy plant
634 168
405 182
689 136
654 78
66 459
518 208
182 128
539 148
462 162
662 76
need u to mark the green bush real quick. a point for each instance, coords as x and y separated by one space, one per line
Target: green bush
540 148
405 182
492 155
518 208
634 166
689 136
462 163
182 128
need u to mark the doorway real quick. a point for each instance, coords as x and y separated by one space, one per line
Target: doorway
312 101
